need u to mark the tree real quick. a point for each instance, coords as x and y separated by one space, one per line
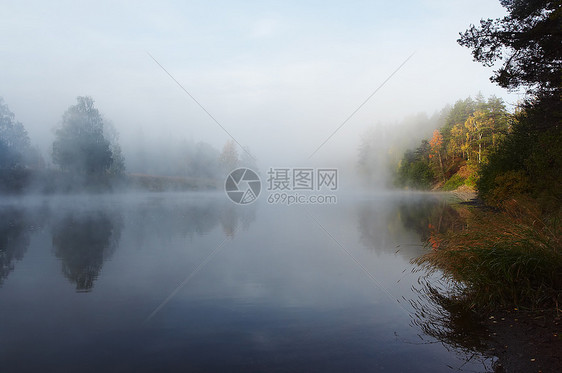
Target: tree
527 40
14 141
80 145
118 161
468 132
436 144
203 162
414 170
229 158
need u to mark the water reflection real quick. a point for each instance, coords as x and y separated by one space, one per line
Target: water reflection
428 216
439 311
16 227
83 242
278 293
385 226
234 218
440 314
195 218
376 226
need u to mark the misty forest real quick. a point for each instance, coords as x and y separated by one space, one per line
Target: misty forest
86 155
173 230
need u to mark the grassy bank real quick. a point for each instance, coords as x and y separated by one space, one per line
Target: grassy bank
507 257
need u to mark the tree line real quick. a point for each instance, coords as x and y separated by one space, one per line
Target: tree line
506 154
470 130
86 151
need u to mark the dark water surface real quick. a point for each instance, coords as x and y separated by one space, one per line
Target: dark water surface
191 282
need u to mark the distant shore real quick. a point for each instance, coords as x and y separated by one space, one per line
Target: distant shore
51 181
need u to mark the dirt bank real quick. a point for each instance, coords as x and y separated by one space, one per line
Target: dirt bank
525 341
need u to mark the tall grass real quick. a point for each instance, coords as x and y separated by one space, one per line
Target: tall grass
503 258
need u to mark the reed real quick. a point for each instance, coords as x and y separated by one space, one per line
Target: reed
510 257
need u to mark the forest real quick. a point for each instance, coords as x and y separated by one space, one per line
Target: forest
507 251
477 141
470 130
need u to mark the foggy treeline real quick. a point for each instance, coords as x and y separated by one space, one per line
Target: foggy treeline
86 154
468 127
382 146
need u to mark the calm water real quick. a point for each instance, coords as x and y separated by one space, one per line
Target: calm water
190 282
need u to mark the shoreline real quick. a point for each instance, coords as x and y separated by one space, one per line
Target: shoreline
522 340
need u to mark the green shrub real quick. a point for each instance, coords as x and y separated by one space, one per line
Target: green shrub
415 175
454 182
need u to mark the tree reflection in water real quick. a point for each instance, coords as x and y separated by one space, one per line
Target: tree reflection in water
83 241
16 226
429 216
439 310
441 314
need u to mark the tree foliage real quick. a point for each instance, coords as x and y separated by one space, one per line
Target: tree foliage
117 166
229 158
80 145
471 129
414 170
532 157
14 141
527 40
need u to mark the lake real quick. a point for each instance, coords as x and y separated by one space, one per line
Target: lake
192 282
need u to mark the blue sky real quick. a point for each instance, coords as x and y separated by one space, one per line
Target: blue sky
279 75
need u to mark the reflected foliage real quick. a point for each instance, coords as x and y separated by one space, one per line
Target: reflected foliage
15 232
192 219
373 220
428 217
83 242
425 217
441 313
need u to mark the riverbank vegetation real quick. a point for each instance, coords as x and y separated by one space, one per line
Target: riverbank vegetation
469 132
508 252
501 258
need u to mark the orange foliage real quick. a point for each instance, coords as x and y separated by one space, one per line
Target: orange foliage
436 141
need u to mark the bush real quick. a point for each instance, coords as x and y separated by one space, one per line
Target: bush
416 175
454 182
507 185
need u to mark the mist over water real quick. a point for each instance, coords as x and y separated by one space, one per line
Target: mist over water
175 280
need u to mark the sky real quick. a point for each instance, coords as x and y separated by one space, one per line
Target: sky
279 76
